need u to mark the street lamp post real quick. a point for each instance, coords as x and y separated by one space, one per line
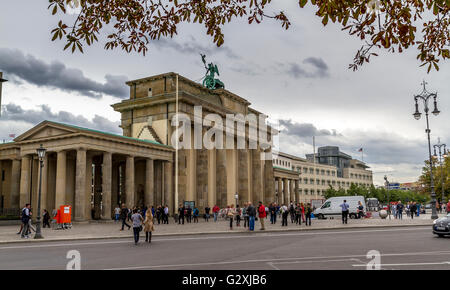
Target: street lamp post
236 196
41 154
425 97
388 197
444 154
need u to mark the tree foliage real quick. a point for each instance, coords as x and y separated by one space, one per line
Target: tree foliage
381 194
440 175
392 25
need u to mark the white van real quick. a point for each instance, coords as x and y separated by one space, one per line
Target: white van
331 207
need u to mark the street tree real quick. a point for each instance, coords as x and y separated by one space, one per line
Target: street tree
131 25
439 174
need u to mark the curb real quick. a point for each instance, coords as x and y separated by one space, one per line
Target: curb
212 233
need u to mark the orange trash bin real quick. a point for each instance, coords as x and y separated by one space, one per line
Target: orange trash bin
65 214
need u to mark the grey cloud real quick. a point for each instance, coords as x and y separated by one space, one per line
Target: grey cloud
379 147
14 114
193 47
311 67
56 75
304 129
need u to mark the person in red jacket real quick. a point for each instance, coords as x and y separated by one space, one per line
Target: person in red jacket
216 210
448 207
262 215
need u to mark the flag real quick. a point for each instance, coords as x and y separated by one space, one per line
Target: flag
360 150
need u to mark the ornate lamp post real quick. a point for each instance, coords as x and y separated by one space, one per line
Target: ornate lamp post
2 80
441 154
41 154
425 97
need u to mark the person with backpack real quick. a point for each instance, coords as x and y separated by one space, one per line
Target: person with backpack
26 217
196 213
262 215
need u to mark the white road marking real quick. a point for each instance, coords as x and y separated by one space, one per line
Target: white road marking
273 260
156 239
409 264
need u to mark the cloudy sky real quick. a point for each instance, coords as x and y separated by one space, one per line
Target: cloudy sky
298 77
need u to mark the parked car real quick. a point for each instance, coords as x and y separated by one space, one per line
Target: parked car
441 226
331 206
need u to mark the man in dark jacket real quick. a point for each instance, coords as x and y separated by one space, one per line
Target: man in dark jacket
399 210
181 210
124 216
413 210
251 216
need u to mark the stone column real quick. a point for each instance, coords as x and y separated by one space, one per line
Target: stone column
106 186
286 191
80 186
15 184
150 183
61 167
221 178
292 190
168 188
25 181
212 182
44 188
257 181
89 189
297 193
129 183
280 190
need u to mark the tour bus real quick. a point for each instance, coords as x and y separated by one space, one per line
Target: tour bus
331 206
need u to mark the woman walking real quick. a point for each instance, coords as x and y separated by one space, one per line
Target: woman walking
148 226
137 219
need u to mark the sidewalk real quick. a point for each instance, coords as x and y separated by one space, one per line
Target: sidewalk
109 230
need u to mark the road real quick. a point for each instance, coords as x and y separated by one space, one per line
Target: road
400 248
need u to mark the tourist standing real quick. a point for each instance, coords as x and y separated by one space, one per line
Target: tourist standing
207 210
166 214
216 210
245 214
399 210
181 210
196 214
189 214
137 219
298 215
116 214
46 219
26 216
123 216
148 226
292 212
230 214
251 216
238 215
262 215
413 210
308 212
360 210
344 207
284 214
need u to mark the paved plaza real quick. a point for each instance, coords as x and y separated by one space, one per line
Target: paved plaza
99 230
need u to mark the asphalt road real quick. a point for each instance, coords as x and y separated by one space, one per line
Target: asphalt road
400 248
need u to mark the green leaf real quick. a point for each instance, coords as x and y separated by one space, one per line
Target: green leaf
302 3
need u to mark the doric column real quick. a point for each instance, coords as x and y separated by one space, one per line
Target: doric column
257 182
286 191
15 184
221 178
212 180
60 194
25 181
292 190
106 186
80 186
280 190
44 188
168 188
297 193
149 183
129 184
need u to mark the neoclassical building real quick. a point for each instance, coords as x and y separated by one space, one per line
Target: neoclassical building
93 171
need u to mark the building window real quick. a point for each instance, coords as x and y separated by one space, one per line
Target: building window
150 94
